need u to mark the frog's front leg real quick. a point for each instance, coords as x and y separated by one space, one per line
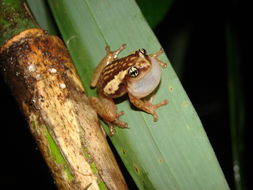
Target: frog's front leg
155 55
109 57
147 106
106 109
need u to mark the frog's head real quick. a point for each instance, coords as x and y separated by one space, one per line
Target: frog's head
141 64
144 75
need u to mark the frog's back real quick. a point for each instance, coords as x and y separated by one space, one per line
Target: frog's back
112 81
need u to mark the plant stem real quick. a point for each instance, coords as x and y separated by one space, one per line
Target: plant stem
14 18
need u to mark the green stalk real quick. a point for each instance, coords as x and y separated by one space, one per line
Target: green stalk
14 19
173 153
236 106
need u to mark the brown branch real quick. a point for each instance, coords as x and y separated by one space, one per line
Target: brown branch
39 71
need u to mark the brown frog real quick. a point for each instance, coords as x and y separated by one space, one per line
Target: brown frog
137 75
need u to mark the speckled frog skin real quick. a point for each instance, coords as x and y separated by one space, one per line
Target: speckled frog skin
137 75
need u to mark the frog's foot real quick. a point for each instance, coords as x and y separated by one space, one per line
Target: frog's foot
156 106
117 123
155 55
147 106
106 109
120 124
115 53
119 114
112 129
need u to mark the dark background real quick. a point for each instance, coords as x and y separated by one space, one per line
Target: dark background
204 75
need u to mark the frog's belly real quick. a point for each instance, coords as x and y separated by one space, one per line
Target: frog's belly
144 86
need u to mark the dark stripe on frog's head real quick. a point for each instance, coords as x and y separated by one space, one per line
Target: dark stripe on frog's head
116 66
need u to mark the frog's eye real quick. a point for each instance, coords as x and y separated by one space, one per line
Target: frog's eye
143 51
133 72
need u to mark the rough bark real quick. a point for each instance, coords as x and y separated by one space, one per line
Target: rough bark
42 78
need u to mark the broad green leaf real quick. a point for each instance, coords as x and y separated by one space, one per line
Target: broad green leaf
42 14
173 153
154 10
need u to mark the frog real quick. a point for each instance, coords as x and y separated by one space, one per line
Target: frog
136 75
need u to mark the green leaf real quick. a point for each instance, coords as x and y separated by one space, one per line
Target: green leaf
42 14
173 153
154 10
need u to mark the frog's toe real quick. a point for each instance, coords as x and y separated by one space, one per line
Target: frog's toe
120 114
117 123
162 103
120 124
155 116
107 49
112 129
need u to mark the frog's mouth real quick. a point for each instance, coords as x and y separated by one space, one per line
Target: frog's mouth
144 86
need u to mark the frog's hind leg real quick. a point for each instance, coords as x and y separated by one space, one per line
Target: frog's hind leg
106 109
